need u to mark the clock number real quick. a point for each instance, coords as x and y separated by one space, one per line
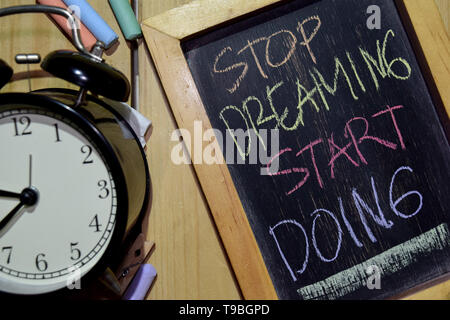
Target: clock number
76 253
103 189
57 132
41 264
94 224
24 121
87 150
9 250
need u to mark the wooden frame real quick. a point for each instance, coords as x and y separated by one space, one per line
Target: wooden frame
164 33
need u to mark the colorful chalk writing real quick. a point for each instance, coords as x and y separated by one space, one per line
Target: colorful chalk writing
360 176
351 140
288 38
363 209
317 96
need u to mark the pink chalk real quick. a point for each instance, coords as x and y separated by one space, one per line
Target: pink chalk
313 158
87 38
348 130
289 171
342 151
394 121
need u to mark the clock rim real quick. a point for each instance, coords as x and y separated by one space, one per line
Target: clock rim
112 253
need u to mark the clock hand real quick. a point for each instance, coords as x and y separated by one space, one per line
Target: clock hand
30 169
28 197
10 215
9 194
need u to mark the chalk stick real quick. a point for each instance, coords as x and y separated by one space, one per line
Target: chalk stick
93 21
141 283
87 38
126 18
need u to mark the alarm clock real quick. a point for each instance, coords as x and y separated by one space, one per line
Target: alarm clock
74 179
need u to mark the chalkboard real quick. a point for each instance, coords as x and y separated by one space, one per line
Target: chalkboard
333 143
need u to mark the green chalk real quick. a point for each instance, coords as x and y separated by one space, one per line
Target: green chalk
126 18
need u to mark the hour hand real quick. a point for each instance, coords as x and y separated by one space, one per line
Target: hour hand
9 194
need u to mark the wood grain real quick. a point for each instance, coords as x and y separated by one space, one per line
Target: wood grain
189 258
215 180
444 10
434 43
196 16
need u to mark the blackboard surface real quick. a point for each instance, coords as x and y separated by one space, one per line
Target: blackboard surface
362 187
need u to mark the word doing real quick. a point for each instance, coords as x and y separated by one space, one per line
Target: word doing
362 208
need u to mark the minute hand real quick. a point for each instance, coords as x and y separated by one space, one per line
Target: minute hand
28 197
10 215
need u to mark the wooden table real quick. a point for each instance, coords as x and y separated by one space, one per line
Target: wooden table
189 256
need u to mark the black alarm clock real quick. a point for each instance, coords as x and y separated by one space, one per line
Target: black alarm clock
74 179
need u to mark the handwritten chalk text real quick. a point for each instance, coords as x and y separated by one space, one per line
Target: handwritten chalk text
281 37
342 225
254 114
339 152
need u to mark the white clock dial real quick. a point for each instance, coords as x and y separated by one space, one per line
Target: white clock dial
45 246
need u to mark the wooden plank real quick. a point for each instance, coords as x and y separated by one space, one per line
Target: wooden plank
444 10
189 256
215 180
200 15
434 42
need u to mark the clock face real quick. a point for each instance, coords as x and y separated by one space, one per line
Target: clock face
58 202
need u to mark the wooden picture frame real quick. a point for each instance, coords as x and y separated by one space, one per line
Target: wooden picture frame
164 34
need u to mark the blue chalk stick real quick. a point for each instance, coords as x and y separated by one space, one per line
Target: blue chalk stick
93 21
